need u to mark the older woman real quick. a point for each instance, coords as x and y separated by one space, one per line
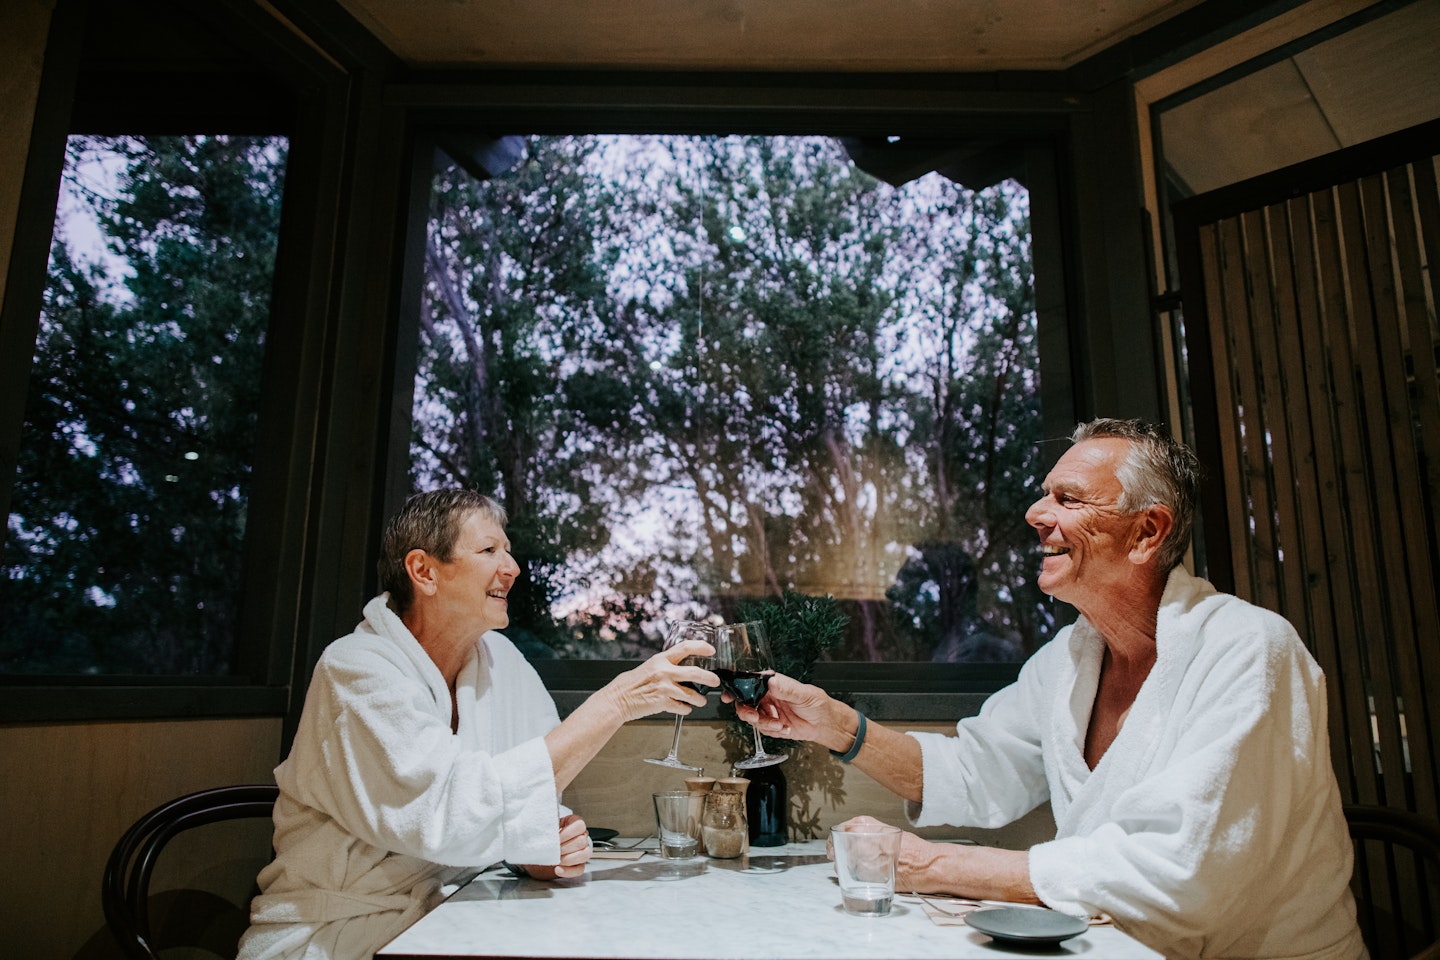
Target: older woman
428 747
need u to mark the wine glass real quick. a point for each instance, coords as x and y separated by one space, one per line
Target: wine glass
744 666
685 630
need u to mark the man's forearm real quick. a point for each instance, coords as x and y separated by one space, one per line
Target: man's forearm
888 756
983 873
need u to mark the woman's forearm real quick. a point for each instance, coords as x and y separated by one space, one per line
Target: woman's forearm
580 736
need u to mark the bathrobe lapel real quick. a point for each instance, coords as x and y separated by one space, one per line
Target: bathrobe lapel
1083 799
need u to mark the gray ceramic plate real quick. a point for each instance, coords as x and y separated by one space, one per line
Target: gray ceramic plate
1026 925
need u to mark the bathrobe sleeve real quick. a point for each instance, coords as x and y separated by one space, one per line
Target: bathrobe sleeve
381 760
992 771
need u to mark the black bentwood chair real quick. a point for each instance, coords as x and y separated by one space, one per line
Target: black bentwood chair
125 889
1396 881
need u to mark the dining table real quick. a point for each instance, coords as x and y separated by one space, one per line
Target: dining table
773 903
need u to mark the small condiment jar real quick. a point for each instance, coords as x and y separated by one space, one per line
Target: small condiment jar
723 824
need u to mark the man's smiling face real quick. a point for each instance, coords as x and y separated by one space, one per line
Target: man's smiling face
1084 536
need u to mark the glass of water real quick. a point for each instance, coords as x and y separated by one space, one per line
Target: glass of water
677 822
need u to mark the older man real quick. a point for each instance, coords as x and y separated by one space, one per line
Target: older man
1178 733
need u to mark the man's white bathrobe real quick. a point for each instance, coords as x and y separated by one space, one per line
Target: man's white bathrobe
381 805
1212 827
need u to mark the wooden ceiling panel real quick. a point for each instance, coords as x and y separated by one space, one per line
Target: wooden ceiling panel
1381 77
826 35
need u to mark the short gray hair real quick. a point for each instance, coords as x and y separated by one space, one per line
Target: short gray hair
1159 469
429 521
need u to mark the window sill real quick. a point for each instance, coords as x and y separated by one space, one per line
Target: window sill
885 692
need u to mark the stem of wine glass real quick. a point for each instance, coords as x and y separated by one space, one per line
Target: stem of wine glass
674 753
759 747
672 759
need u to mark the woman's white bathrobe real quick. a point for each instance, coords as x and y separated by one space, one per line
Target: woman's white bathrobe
381 805
1212 827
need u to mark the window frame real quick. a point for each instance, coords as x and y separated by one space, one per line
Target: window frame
561 103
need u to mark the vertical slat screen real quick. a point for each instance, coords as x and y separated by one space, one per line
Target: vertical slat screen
1321 322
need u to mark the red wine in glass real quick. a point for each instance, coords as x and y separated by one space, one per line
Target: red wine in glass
746 686
744 665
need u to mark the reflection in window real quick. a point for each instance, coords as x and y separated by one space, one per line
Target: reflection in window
703 370
124 541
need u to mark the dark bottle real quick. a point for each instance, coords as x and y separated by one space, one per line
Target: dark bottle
767 806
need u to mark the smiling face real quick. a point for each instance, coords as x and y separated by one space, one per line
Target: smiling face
1085 538
477 578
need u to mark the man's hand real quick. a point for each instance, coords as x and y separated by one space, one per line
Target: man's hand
793 710
915 868
960 869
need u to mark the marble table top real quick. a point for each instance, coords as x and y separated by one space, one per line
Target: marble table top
778 903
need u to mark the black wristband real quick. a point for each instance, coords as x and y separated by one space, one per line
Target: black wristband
854 750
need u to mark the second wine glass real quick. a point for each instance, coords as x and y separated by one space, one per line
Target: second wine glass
682 631
744 666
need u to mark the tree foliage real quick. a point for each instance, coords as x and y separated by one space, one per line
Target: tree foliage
704 369
123 547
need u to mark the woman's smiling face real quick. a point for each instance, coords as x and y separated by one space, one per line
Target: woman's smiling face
481 572
1084 536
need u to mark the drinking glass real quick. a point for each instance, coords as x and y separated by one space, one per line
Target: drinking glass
685 630
744 665
865 858
677 822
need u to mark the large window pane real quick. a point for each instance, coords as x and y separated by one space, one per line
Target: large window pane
124 541
699 370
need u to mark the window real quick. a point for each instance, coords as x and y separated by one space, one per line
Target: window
128 515
704 369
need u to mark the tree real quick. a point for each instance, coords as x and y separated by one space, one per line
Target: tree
515 304
127 522
771 370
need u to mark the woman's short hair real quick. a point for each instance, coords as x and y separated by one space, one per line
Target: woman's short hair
429 521
1159 469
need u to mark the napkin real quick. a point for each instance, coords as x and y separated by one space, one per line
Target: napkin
944 912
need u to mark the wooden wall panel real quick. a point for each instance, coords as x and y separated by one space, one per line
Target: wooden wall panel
1321 318
67 793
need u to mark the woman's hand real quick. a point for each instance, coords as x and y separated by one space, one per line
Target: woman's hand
575 850
655 685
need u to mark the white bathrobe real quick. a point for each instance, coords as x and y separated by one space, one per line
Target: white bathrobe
381 806
1212 826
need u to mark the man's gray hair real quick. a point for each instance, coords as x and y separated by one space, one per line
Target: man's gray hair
429 521
1159 469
